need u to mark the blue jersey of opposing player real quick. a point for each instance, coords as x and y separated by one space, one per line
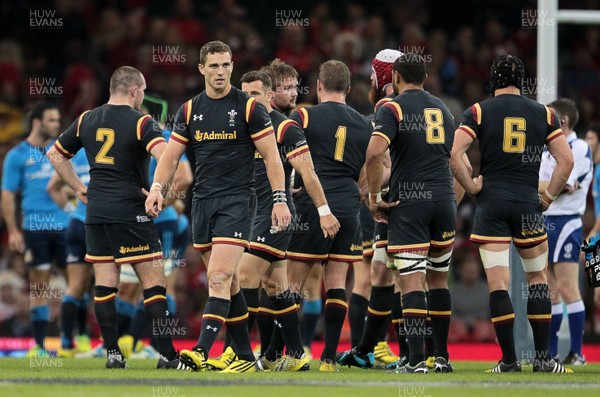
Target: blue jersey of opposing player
27 170
82 169
169 213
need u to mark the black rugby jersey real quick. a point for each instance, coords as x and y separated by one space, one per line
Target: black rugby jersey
117 140
337 136
419 129
222 134
512 131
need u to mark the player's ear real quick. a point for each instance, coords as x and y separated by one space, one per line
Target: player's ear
425 79
349 88
201 69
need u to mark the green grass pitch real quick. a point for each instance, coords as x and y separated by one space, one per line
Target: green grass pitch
88 378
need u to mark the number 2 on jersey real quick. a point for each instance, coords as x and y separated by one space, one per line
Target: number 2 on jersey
340 136
514 135
107 136
434 122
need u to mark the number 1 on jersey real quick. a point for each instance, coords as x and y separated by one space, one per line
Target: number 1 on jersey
107 136
340 143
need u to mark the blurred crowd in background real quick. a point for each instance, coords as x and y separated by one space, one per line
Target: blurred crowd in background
65 51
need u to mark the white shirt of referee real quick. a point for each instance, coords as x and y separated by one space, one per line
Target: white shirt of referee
580 179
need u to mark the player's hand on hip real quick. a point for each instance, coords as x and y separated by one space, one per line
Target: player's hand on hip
82 195
478 182
154 203
379 210
16 241
329 225
281 216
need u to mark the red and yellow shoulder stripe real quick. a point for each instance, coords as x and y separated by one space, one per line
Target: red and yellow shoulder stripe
250 105
60 149
476 110
79 122
551 119
187 111
380 103
141 123
303 113
395 108
468 130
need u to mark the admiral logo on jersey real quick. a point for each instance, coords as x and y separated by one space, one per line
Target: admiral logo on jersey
203 136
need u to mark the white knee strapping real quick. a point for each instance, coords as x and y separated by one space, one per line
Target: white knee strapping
494 258
408 263
441 264
380 255
535 264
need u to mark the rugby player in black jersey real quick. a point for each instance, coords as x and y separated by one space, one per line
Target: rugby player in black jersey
224 127
118 140
508 126
337 136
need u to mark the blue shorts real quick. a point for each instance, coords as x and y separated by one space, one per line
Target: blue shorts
564 238
42 248
75 240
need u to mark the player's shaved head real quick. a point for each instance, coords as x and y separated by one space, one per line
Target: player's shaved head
258 75
124 78
278 71
335 76
411 67
213 47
